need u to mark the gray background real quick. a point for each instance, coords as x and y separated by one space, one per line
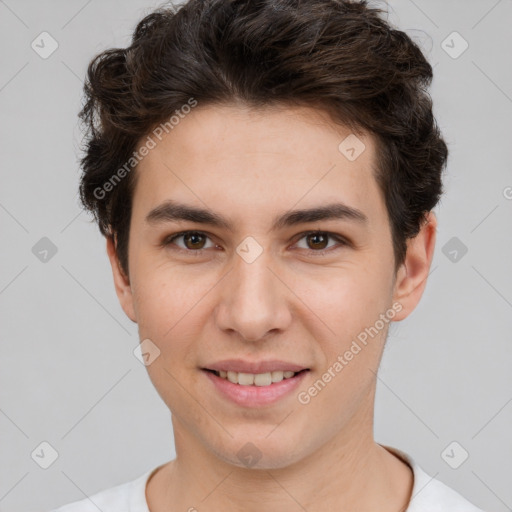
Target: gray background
68 375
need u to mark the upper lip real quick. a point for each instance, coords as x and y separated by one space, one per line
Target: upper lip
241 366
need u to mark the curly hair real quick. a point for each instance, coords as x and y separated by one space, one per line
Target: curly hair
339 56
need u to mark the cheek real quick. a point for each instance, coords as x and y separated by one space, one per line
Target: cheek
161 300
170 315
350 332
351 346
347 299
172 310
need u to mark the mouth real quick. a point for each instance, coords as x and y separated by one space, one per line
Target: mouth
252 390
255 379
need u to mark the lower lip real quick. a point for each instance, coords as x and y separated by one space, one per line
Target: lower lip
255 396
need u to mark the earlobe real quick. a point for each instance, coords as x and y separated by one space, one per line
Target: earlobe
412 275
121 281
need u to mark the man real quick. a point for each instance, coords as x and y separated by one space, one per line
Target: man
264 174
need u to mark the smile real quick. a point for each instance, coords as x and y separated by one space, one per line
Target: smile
255 379
254 389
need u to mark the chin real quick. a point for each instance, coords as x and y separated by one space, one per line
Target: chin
260 451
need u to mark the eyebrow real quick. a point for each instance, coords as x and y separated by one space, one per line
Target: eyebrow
170 211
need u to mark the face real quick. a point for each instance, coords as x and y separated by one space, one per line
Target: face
246 287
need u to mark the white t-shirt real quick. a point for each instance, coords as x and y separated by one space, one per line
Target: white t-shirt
428 494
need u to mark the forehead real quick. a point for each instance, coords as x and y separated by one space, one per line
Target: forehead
252 159
292 132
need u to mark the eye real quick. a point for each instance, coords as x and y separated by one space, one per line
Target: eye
193 241
319 241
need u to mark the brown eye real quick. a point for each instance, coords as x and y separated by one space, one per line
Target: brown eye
318 240
193 241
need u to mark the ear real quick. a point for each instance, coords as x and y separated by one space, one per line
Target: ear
412 275
121 281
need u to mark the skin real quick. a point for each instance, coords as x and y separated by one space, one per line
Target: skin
288 304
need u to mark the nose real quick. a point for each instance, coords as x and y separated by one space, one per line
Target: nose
254 299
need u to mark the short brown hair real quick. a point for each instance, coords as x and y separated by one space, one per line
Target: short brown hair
335 55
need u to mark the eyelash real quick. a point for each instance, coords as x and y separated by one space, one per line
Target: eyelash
168 240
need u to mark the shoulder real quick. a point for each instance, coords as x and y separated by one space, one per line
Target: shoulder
438 496
128 496
430 494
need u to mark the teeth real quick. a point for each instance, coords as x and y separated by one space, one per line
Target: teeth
263 379
245 379
277 376
251 379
